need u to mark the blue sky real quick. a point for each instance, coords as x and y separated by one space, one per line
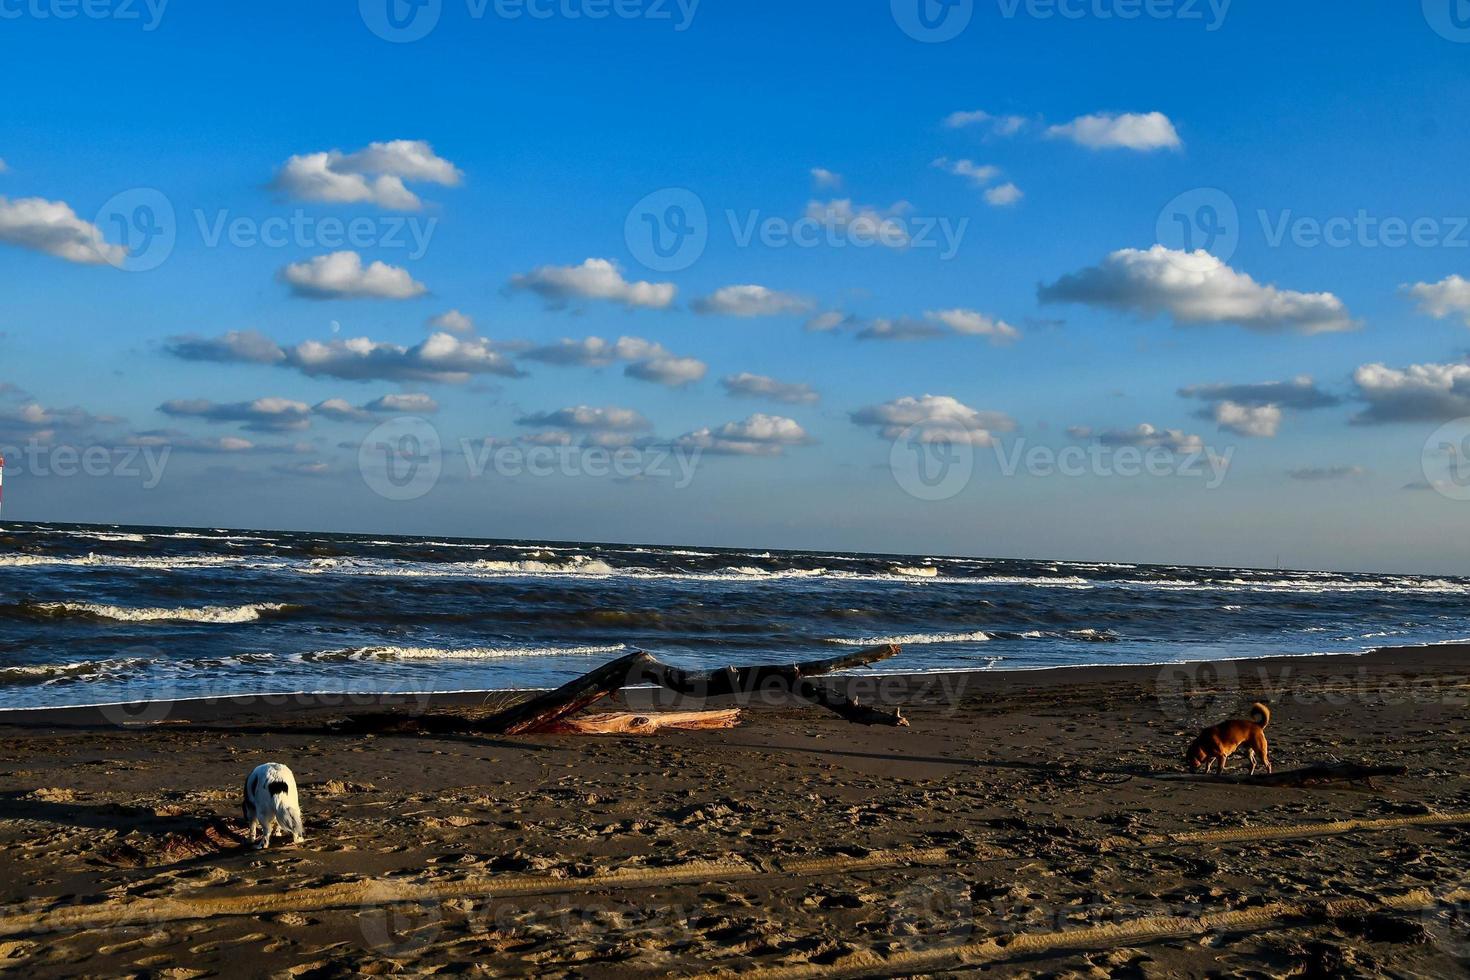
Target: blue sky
1067 317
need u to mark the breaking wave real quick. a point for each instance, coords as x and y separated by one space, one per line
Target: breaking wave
466 653
204 614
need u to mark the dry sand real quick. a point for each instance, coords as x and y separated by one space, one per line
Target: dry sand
1015 827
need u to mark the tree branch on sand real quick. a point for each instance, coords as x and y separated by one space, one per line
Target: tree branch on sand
550 710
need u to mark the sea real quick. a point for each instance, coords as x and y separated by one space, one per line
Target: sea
93 614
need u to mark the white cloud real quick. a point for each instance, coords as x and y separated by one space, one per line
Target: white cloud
758 435
974 323
1258 421
260 415
1299 392
317 468
977 174
441 357
407 403
1003 195
235 347
1195 288
1418 393
1143 131
342 275
341 410
934 418
999 125
411 402
409 159
751 300
1448 297
374 174
999 196
823 177
646 360
747 385
4 167
452 321
1148 437
934 324
899 328
39 422
823 322
311 177
596 352
671 371
184 443
862 222
53 228
598 279
585 418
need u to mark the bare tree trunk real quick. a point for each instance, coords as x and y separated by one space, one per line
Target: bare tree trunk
547 709
632 723
552 706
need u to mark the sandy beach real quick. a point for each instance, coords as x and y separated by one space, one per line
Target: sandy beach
1019 825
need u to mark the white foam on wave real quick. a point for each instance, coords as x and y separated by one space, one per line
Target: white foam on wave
916 571
485 568
205 614
118 561
78 670
465 653
914 639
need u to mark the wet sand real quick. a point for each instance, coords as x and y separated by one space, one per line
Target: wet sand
1019 826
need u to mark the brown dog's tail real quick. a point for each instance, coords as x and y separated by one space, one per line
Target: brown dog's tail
1260 714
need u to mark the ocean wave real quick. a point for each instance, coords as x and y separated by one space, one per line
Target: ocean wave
976 636
80 670
463 653
913 639
119 561
485 568
222 615
916 571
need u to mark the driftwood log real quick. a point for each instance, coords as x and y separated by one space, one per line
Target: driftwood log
630 723
552 711
544 710
1326 772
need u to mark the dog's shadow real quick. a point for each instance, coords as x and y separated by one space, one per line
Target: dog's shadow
148 839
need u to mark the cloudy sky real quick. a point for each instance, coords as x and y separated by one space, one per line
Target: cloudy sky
1000 278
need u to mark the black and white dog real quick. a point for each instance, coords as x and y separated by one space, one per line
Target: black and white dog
271 802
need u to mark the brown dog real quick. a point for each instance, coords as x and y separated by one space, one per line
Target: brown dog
1214 744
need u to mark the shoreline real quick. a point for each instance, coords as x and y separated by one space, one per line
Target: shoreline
221 706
